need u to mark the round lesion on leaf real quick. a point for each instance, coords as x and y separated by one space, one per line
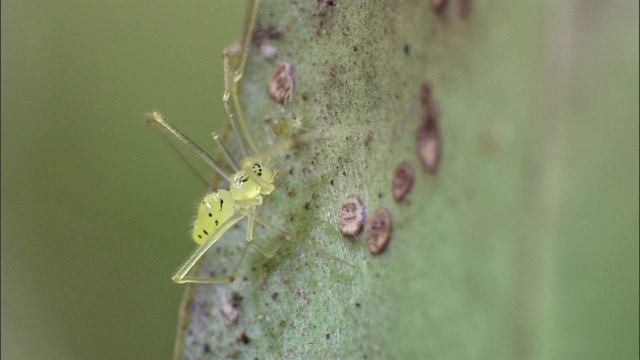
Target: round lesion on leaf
402 181
351 216
378 229
281 83
428 140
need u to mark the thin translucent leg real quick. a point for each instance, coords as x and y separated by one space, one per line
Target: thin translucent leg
300 139
283 235
223 134
267 254
233 78
249 24
182 277
267 153
225 151
230 97
249 238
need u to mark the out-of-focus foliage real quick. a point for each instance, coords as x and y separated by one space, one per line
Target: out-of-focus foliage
96 208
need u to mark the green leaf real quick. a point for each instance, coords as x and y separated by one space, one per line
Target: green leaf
501 252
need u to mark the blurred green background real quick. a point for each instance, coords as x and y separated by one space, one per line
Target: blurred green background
95 206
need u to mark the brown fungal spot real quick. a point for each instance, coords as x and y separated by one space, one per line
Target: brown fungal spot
236 299
368 138
378 230
266 32
464 7
324 7
242 337
425 92
439 5
325 12
351 216
428 141
281 83
326 3
402 181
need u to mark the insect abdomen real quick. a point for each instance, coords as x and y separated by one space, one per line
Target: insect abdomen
216 208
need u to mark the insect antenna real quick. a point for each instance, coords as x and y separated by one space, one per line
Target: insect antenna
194 169
225 151
157 118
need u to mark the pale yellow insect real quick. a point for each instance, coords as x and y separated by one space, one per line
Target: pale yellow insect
250 180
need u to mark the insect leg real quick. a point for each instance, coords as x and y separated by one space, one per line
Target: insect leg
233 77
249 238
247 34
225 151
283 235
182 277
